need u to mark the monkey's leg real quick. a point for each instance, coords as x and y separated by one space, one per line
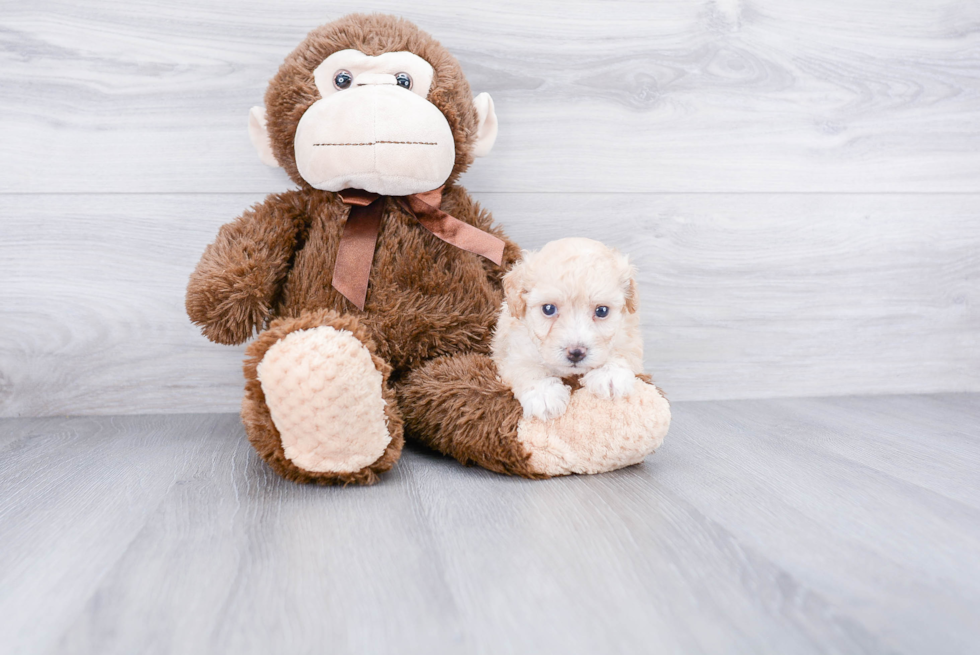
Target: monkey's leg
457 405
317 403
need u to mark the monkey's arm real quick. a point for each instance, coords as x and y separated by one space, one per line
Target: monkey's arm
230 293
468 210
512 253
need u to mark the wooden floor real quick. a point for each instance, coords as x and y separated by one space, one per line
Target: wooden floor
845 525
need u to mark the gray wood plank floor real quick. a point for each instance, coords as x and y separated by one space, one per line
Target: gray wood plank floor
847 525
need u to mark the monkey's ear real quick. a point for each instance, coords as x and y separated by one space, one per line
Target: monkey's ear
514 291
259 136
486 125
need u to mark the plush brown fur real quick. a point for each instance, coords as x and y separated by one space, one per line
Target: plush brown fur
459 406
425 299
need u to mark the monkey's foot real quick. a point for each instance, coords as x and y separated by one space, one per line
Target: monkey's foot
597 434
324 393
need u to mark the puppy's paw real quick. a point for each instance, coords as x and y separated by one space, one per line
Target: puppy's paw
609 381
546 399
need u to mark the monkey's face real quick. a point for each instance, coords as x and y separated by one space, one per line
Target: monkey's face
373 128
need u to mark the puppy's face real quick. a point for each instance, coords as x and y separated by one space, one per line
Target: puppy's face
573 297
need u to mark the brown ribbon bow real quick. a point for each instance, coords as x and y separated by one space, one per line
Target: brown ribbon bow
356 251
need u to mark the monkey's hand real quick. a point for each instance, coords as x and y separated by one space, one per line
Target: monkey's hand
231 291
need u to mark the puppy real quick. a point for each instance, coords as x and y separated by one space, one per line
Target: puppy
569 309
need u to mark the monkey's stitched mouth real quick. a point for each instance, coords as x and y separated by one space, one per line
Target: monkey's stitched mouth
372 143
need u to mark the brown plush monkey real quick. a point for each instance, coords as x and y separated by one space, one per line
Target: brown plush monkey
374 121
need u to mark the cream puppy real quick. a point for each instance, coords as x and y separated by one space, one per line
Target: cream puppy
569 309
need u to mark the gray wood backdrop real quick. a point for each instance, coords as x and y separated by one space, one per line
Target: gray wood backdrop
798 181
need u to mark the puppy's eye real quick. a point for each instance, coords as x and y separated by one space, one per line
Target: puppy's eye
342 79
548 310
403 80
601 311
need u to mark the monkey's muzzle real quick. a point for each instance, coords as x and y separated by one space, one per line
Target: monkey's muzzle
379 138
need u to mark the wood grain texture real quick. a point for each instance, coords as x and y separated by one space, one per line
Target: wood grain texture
742 295
845 525
667 96
607 111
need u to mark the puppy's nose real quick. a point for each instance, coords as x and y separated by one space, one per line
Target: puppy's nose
576 354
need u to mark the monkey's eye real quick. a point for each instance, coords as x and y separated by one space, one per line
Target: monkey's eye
548 310
403 80
342 79
601 311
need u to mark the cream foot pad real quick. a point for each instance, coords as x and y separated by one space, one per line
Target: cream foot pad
324 394
596 435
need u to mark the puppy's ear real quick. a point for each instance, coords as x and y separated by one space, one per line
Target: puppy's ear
514 290
632 293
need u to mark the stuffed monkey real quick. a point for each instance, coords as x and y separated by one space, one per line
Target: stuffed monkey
373 286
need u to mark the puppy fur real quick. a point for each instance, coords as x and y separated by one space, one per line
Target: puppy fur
572 280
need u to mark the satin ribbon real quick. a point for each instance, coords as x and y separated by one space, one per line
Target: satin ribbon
356 250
